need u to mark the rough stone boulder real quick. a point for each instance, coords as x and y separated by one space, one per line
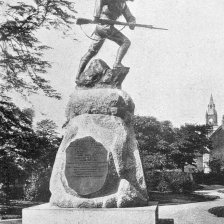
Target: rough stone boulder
100 101
99 75
98 165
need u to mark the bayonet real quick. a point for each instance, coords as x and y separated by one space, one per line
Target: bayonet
83 21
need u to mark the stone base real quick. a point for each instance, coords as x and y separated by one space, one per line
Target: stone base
47 214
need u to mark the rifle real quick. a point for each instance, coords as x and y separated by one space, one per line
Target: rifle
83 21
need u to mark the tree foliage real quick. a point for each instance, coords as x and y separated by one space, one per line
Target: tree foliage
164 147
15 132
155 139
16 137
21 53
23 149
48 141
29 113
23 69
190 141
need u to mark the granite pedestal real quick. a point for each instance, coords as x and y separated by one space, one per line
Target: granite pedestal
47 214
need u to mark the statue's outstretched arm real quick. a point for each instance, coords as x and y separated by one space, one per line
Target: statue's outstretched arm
98 9
129 17
127 14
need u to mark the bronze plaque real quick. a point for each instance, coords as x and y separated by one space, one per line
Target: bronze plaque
86 165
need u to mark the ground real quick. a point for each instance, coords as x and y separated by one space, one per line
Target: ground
184 209
14 210
197 212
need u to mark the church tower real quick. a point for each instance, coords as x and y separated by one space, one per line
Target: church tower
211 114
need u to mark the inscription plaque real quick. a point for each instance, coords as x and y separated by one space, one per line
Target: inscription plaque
86 165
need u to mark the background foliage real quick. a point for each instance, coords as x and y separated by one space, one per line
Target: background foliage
166 150
22 64
27 149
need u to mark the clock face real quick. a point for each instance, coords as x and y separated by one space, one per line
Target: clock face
210 121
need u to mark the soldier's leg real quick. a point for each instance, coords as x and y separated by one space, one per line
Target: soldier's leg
92 51
124 44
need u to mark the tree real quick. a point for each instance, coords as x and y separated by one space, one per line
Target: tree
155 139
164 147
30 113
147 130
21 57
47 142
167 131
47 128
16 143
190 140
22 69
24 150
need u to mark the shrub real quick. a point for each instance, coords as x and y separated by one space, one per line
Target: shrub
217 164
152 180
3 196
180 182
37 186
217 211
216 176
163 186
209 178
175 181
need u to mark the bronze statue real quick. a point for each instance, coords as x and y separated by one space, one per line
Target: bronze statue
109 10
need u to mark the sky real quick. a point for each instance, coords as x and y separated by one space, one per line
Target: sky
172 73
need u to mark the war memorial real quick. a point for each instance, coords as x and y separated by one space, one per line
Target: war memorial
97 175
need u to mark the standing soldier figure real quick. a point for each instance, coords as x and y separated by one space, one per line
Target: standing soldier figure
110 10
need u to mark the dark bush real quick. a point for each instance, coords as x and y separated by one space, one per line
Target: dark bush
209 178
152 180
180 182
37 186
174 181
217 211
3 195
217 164
199 177
163 186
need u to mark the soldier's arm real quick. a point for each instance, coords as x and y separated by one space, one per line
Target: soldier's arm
98 9
127 14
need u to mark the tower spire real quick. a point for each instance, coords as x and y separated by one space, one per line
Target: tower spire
211 113
211 100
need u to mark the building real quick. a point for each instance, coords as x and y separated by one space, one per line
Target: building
216 135
202 162
211 119
217 131
211 115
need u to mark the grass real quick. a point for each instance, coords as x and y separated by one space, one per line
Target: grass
13 210
211 187
217 211
174 199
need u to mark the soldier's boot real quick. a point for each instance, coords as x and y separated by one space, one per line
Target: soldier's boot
83 62
121 53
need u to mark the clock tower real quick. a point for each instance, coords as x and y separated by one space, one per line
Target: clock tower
211 114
